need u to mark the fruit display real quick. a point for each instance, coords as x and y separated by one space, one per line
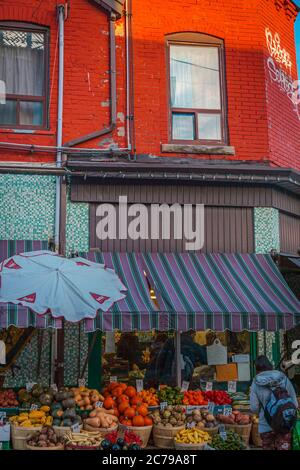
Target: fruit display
102 418
63 409
218 397
171 416
170 395
127 405
192 436
82 440
45 438
240 401
236 417
113 441
194 397
34 418
8 399
232 442
202 419
149 397
38 395
87 399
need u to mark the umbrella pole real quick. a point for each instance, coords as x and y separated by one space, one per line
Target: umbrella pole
178 357
53 356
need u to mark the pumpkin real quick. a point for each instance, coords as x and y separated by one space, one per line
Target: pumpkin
148 421
123 406
122 398
108 403
130 391
127 422
138 420
129 412
142 410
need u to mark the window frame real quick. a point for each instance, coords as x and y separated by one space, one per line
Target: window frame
198 39
31 28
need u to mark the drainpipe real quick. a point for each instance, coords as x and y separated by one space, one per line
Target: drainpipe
128 107
113 90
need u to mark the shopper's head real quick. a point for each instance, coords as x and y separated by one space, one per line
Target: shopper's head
262 364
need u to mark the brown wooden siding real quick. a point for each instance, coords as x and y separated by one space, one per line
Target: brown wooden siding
227 230
289 233
212 195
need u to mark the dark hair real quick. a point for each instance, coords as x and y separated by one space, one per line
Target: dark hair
262 364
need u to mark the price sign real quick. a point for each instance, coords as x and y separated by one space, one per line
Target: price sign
29 386
99 404
191 425
163 405
139 385
81 382
75 427
34 407
222 432
227 410
0 445
208 386
54 387
232 386
190 408
211 407
113 378
185 386
2 415
121 431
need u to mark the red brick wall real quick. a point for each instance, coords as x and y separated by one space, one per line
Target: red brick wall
262 123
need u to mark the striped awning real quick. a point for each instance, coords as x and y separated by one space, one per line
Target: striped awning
18 315
198 291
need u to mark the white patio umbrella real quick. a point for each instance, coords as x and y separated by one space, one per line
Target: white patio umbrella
72 288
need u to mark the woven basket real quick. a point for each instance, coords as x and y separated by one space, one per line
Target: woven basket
211 431
103 431
163 437
244 431
58 447
143 432
19 435
255 436
188 447
77 447
60 431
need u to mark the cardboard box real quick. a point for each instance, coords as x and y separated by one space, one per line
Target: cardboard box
5 432
244 374
227 372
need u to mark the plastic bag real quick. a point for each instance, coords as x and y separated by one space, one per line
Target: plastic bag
296 436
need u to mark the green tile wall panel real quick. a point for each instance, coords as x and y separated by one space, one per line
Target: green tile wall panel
266 229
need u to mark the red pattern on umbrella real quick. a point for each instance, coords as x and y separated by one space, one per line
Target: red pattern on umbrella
81 263
99 298
28 298
11 264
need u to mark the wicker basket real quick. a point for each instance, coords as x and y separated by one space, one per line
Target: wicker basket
77 447
255 436
163 437
103 431
58 447
211 431
244 431
143 432
19 435
188 447
60 431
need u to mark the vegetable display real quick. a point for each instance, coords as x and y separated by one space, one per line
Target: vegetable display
45 438
171 416
235 418
194 397
113 441
192 436
34 418
8 399
232 442
87 399
63 409
170 395
82 440
101 418
202 419
149 397
38 395
218 397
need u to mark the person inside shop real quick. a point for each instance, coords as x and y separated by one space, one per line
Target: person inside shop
192 354
262 398
150 378
128 348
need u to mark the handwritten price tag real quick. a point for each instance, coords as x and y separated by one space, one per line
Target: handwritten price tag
121 431
185 386
54 387
139 385
208 386
191 425
113 378
75 427
227 410
232 386
99 404
163 405
81 382
29 386
34 407
211 407
222 432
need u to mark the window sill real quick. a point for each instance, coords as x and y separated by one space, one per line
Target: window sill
26 131
198 149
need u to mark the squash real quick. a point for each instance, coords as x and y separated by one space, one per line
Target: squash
45 408
69 413
93 422
67 422
69 403
56 422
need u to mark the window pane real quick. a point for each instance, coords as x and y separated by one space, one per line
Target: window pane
209 126
8 112
183 126
31 113
195 77
22 62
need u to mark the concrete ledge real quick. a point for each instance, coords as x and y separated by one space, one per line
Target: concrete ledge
198 149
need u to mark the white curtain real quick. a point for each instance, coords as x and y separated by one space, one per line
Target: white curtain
195 78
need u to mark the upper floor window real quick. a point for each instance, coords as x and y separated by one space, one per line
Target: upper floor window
23 69
197 89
